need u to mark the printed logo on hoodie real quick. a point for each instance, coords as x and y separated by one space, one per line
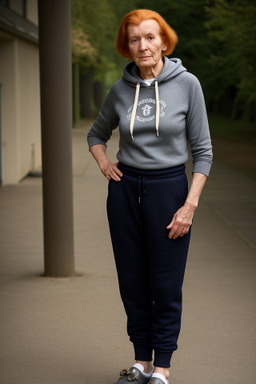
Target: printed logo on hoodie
146 110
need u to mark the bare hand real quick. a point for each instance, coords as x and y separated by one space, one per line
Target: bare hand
111 171
181 221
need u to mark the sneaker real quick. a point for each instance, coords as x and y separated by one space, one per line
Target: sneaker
133 375
156 380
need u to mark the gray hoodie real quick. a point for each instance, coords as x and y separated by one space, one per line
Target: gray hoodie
157 121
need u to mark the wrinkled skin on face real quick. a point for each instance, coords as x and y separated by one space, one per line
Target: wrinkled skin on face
146 47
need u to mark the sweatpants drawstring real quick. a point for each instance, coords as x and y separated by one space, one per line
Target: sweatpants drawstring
141 187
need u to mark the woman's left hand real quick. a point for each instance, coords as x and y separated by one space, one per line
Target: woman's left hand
181 221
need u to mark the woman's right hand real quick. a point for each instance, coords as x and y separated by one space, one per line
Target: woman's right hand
110 170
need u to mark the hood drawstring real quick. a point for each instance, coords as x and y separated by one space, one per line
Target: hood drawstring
157 108
134 109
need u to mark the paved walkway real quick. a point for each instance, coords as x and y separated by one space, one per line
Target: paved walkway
72 331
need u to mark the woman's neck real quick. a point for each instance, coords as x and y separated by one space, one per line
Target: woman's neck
151 72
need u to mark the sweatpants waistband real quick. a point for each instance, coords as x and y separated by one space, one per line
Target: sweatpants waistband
152 174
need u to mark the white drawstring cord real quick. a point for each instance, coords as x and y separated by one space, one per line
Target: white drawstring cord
157 108
134 109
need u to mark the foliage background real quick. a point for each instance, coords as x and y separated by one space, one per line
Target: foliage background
217 43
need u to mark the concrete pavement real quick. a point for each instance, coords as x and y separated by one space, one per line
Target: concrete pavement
72 330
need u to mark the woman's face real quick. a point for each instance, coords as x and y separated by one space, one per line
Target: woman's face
146 45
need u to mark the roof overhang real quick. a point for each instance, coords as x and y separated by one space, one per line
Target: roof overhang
17 26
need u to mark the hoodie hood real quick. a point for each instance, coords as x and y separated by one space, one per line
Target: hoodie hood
131 76
171 69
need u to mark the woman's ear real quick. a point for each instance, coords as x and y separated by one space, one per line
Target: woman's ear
165 47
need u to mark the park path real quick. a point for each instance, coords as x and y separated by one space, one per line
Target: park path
72 330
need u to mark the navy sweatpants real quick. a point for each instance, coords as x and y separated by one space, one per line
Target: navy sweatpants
150 266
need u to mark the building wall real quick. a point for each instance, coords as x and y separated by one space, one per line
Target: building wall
28 107
19 79
32 12
20 99
30 9
9 119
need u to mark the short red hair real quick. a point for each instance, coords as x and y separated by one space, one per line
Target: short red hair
136 17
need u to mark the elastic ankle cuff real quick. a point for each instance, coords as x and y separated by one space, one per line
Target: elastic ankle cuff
163 359
143 353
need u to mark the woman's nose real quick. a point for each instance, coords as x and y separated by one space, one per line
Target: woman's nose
143 45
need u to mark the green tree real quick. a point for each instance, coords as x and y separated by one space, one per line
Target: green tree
232 30
96 64
217 43
99 23
187 18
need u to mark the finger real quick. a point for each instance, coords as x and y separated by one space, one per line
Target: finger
118 173
172 233
115 176
173 236
109 173
184 231
171 224
114 172
178 234
117 170
176 231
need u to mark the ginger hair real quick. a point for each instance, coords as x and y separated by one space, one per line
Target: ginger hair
167 34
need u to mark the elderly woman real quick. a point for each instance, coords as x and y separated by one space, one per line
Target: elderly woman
158 107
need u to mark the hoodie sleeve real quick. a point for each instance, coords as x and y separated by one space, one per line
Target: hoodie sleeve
107 120
198 129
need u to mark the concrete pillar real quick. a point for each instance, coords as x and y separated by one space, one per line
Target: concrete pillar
56 120
76 95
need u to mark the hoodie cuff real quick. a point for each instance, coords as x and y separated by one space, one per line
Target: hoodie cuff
94 141
203 167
